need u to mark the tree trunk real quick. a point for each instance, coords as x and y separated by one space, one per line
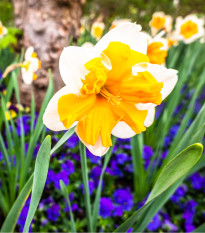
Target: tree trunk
47 26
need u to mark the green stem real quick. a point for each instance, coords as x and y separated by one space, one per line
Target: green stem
86 187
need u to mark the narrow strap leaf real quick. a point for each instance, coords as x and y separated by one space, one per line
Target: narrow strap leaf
66 195
12 217
86 187
172 172
39 180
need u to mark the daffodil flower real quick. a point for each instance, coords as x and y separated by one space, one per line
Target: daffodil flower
190 28
109 89
97 30
3 30
156 49
117 22
160 21
30 66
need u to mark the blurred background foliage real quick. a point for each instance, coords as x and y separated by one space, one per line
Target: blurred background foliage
6 12
137 10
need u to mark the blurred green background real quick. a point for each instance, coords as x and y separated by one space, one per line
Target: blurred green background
137 10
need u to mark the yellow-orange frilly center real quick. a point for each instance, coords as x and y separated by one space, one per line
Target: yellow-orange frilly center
109 96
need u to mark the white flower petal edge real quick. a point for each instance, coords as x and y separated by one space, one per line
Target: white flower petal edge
27 76
161 74
127 33
122 130
51 117
98 149
150 117
71 64
28 53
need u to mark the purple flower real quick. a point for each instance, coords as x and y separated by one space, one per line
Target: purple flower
118 211
91 185
189 227
179 193
197 181
50 177
114 170
95 172
72 141
93 159
170 226
155 223
106 207
122 158
68 166
61 176
53 212
124 198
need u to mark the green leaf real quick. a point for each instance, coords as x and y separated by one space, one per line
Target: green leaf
13 215
200 228
99 189
171 173
37 131
63 139
84 170
176 168
66 195
11 219
39 179
138 166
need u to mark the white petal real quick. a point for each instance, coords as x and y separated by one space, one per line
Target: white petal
51 118
98 149
123 130
161 74
27 76
127 33
71 64
150 117
28 53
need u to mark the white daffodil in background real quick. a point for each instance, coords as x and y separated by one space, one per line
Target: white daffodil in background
157 48
117 22
30 66
109 89
3 30
190 28
160 21
88 45
97 30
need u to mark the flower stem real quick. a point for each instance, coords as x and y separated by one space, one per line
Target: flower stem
86 187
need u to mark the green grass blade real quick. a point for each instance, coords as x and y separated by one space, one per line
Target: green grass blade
38 129
138 166
11 219
181 164
66 196
63 139
84 170
39 179
200 228
32 113
99 189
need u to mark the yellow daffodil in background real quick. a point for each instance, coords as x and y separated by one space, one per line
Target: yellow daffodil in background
10 113
156 49
97 30
109 89
30 66
3 30
190 28
117 22
160 21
